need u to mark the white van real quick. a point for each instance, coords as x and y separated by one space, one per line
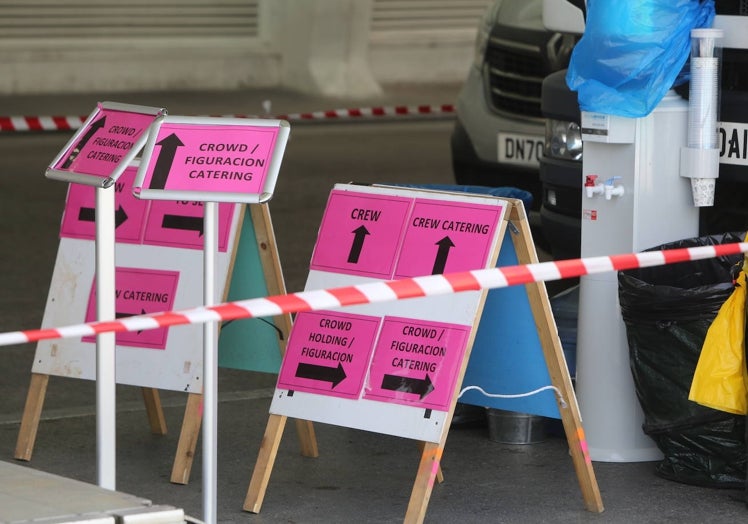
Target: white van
499 132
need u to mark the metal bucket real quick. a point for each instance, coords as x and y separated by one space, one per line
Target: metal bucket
508 427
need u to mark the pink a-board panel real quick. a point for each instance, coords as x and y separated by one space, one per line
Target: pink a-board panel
328 353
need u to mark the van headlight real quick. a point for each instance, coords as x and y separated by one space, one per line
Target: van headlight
563 139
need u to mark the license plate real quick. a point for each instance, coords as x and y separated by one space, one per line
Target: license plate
733 143
524 150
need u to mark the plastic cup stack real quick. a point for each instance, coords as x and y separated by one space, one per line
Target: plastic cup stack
704 106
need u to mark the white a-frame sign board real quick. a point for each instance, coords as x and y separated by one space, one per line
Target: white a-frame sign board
396 368
159 263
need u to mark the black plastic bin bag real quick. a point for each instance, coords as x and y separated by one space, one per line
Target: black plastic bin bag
667 311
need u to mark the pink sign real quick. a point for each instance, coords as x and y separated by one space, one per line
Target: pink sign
139 291
180 224
210 158
102 144
416 362
444 237
328 353
360 234
79 218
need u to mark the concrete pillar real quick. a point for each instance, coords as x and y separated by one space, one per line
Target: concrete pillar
325 48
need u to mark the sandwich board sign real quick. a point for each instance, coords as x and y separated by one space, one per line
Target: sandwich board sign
158 268
411 352
158 252
396 368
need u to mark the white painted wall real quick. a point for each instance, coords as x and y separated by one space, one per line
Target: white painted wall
333 47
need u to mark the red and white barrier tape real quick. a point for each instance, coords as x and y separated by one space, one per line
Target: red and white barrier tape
41 123
70 123
375 292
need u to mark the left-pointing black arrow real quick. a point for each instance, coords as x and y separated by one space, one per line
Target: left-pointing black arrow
164 161
83 141
359 235
88 214
183 222
440 262
322 373
417 386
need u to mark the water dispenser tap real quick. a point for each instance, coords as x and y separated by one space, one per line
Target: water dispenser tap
611 189
592 187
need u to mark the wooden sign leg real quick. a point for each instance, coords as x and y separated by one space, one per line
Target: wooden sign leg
307 438
270 260
557 369
439 473
154 411
264 465
180 473
428 472
32 412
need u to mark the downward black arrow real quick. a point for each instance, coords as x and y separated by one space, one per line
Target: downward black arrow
183 222
440 262
88 214
322 373
417 386
165 159
358 244
84 140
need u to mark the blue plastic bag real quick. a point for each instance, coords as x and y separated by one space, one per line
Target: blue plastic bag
632 52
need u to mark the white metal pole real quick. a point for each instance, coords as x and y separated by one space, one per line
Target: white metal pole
210 367
106 381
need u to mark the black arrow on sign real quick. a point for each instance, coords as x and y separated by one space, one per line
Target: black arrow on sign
445 244
126 315
165 159
417 386
84 140
358 244
183 222
323 373
88 214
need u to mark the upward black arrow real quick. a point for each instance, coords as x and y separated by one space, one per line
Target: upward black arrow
164 161
417 386
322 373
88 214
358 243
84 140
440 262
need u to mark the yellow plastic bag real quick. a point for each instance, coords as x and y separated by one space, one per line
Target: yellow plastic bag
720 380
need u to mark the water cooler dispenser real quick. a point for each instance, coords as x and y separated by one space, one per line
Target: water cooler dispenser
644 180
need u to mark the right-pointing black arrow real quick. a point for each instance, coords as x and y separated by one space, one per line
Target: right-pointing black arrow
119 217
88 214
358 243
440 262
417 386
184 223
322 373
126 315
164 161
84 140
